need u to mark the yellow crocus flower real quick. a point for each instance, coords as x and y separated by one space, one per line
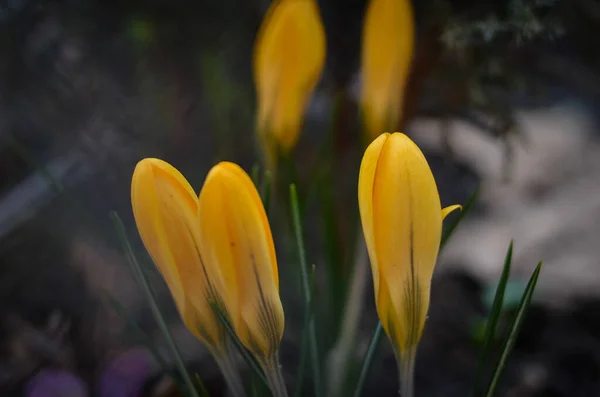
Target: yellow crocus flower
387 49
289 56
235 235
165 208
402 218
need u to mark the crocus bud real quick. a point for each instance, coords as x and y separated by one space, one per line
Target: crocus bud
235 235
289 55
387 49
402 219
165 209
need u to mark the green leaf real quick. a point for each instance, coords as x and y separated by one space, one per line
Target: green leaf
255 174
516 327
364 371
250 360
492 320
203 391
265 191
512 295
147 289
306 291
304 343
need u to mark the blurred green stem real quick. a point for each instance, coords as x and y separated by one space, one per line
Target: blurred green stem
272 370
339 358
364 371
228 367
406 370
250 360
304 342
336 277
306 290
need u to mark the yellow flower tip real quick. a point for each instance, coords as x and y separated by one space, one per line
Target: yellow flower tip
289 56
386 57
164 206
235 236
402 222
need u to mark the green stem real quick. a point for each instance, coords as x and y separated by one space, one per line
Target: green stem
162 325
226 363
304 342
306 291
250 360
272 370
406 369
342 354
302 361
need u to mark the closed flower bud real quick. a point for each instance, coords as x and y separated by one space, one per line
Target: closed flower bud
402 219
165 209
289 56
235 236
387 49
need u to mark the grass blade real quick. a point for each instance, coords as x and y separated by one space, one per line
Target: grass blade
465 210
304 343
203 391
143 281
251 361
514 332
492 320
306 292
255 174
364 371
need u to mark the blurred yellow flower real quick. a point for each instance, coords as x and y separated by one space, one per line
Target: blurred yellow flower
235 236
165 209
402 219
387 49
289 55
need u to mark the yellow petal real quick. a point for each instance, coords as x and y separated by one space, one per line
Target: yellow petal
366 179
289 56
387 49
165 205
235 235
402 218
449 209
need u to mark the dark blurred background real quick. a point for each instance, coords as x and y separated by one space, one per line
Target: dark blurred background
503 95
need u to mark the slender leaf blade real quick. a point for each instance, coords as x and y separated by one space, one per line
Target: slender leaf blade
251 361
304 343
266 190
255 174
516 327
364 371
493 317
306 291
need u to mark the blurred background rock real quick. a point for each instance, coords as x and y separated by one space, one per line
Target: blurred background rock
504 94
